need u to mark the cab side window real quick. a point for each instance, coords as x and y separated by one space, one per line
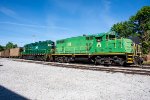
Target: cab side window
89 38
99 39
110 37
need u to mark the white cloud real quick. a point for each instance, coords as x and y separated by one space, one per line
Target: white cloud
106 14
107 6
26 25
8 12
12 13
35 26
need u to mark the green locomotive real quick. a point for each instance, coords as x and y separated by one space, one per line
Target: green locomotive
102 48
38 50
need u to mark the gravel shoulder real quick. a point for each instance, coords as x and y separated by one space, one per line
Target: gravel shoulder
44 82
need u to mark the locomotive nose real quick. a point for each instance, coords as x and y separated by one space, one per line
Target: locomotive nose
128 45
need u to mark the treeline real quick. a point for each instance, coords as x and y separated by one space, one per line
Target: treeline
9 45
136 26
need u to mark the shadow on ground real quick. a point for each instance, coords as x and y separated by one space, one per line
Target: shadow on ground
6 94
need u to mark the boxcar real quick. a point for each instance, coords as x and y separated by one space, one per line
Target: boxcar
15 52
7 53
0 54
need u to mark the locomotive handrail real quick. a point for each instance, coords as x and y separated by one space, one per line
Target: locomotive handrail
41 50
75 49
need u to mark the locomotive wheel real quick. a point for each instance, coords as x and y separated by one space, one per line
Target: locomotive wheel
56 59
66 60
97 60
96 63
122 62
51 59
61 60
138 61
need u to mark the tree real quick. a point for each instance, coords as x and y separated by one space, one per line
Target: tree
1 48
142 22
10 45
138 25
124 29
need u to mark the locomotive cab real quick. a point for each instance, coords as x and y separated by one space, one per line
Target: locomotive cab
111 43
109 48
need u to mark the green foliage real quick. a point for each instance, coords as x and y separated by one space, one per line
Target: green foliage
124 29
142 22
10 45
1 48
137 25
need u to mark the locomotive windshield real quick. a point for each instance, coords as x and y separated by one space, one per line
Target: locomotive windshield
110 37
98 39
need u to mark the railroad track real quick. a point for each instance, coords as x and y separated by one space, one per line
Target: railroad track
128 70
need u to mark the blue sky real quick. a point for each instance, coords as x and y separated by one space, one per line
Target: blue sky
25 21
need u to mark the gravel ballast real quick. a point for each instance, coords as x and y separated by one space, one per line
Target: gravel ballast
45 82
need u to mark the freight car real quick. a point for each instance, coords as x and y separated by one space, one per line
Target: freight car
6 53
0 54
103 48
15 52
11 53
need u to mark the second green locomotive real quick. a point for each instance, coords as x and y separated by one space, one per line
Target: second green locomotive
38 50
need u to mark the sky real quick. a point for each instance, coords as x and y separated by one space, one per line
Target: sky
27 21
